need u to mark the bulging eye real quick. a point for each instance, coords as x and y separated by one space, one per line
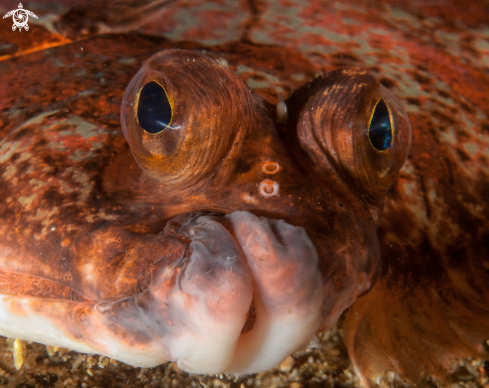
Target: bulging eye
154 108
181 114
352 127
379 128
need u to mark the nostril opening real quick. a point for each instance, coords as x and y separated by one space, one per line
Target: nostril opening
270 167
268 188
250 320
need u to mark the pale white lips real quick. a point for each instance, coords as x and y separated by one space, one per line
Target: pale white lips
194 313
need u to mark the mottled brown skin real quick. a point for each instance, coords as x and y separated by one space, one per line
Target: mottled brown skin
414 257
436 217
75 198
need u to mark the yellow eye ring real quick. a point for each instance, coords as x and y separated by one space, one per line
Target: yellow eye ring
153 108
380 127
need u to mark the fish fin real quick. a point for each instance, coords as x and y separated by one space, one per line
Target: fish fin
418 332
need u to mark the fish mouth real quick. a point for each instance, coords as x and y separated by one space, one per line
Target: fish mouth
234 293
239 263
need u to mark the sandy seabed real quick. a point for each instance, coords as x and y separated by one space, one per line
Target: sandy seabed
325 366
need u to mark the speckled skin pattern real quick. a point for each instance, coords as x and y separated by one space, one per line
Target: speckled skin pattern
433 232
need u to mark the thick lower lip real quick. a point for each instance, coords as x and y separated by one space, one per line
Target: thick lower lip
236 260
287 290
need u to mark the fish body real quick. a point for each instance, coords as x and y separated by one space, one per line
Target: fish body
428 283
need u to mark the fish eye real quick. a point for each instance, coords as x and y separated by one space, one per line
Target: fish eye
154 108
354 106
181 115
380 129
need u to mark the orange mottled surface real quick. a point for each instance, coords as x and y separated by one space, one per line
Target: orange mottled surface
428 308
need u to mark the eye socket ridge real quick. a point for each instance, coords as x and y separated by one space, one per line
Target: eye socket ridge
380 130
154 108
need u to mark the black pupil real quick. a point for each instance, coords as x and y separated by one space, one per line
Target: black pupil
380 131
154 109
